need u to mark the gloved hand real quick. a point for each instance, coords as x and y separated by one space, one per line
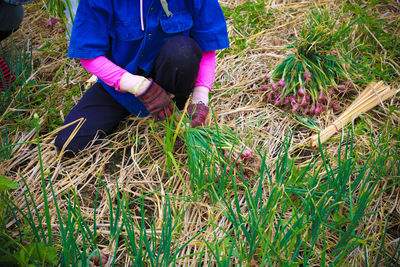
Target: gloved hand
157 101
198 113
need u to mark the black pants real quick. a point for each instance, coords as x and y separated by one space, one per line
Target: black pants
175 69
10 18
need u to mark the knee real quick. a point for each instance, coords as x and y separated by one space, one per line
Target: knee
11 17
74 144
71 148
182 52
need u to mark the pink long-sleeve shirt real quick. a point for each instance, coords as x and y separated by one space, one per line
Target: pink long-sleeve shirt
111 73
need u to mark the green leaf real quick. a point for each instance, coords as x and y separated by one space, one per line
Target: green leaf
22 257
340 220
7 184
39 251
7 259
306 122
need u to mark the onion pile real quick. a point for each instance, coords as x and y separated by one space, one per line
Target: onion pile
304 100
312 78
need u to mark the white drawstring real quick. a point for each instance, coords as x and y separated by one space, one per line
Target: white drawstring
141 15
165 7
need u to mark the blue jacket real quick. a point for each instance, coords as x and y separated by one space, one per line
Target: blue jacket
113 28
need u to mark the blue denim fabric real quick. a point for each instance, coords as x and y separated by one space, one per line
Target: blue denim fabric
112 28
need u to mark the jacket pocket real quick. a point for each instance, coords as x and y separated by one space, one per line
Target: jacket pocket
177 23
127 31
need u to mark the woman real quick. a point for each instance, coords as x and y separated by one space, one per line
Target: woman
143 52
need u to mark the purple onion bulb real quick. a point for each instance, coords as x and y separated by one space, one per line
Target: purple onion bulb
269 96
247 154
318 109
278 101
303 102
295 107
312 110
274 87
307 75
349 84
281 83
301 91
321 97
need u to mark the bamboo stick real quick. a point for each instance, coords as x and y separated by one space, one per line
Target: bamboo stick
373 95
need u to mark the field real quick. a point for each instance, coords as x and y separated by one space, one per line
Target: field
152 194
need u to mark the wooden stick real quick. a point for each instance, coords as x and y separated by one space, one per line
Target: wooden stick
373 95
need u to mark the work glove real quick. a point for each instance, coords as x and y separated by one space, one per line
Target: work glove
157 101
198 114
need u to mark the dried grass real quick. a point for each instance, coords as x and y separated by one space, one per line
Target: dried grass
140 168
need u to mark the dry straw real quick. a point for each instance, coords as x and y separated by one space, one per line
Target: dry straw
373 95
133 157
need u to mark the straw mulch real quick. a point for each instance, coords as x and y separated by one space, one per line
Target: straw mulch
140 167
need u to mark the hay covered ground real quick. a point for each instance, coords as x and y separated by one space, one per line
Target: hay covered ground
132 159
